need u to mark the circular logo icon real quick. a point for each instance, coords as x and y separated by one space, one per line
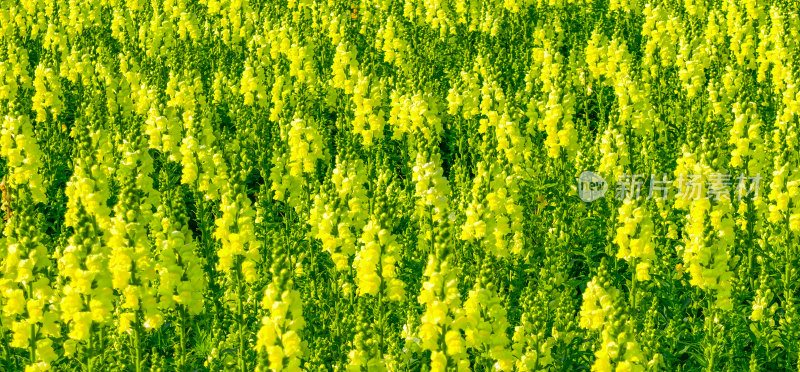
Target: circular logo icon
591 186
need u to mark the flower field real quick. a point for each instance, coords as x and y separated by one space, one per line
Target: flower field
399 185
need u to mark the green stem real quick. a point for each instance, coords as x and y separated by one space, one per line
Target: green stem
240 320
89 354
787 293
4 343
32 344
137 352
182 337
381 315
32 341
633 284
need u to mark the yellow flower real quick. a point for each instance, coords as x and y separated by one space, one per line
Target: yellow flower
125 322
438 361
291 343
70 346
21 334
15 302
80 326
